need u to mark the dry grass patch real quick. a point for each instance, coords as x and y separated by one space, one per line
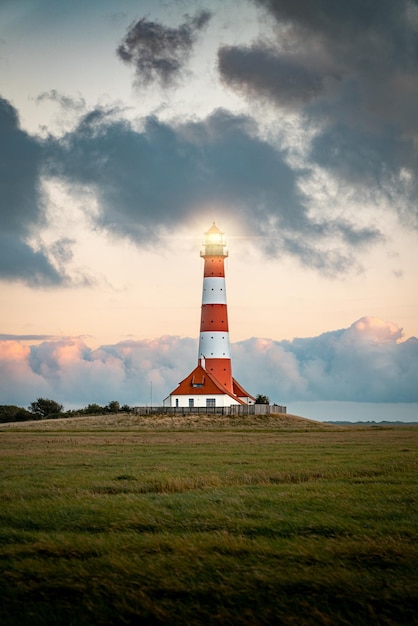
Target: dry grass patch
283 421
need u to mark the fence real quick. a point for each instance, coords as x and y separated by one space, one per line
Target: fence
235 409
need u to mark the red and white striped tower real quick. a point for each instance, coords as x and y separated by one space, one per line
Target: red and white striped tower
214 347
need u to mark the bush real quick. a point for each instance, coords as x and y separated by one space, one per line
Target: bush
43 407
11 413
260 399
93 409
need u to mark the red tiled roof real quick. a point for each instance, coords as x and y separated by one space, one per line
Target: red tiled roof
240 391
201 382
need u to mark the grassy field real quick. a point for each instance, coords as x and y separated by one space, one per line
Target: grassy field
247 525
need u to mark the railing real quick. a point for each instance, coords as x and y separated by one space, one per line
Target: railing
214 250
236 409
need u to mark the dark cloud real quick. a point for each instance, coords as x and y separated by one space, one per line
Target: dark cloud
155 178
336 20
18 261
363 363
157 52
21 203
350 70
21 158
290 81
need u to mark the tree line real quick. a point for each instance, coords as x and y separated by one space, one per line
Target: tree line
45 408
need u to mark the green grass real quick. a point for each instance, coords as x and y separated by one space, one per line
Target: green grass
209 527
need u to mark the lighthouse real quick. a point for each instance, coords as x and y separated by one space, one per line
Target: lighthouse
211 383
214 347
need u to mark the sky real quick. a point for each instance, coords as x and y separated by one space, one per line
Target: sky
128 127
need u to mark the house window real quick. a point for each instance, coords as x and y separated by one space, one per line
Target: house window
191 403
210 402
177 403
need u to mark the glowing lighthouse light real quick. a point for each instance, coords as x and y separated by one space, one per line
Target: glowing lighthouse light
211 383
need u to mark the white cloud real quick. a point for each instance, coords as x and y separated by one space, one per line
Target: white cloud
363 363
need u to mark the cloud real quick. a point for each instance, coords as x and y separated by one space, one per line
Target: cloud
24 256
19 261
151 178
21 204
158 53
18 382
363 363
291 81
350 71
32 337
65 102
68 369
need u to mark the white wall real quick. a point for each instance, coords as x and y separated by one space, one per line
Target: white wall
199 400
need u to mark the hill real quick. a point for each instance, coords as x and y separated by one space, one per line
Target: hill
282 421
